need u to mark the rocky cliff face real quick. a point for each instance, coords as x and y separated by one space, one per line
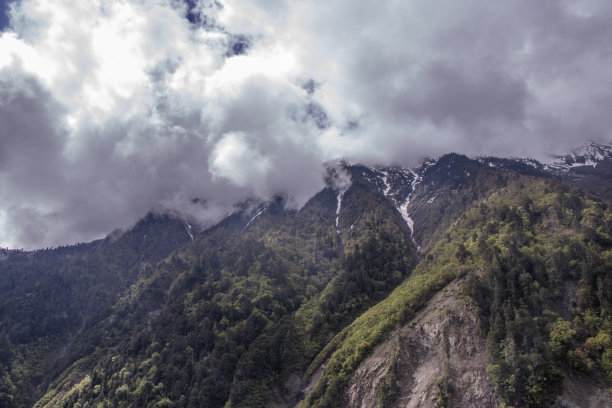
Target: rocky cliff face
436 359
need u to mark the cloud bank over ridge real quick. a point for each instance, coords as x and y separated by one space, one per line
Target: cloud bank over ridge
109 108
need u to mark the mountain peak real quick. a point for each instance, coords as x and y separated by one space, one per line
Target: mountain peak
587 154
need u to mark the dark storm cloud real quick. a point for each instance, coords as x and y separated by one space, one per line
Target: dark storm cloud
232 99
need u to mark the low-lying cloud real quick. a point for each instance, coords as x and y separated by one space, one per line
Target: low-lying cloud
111 108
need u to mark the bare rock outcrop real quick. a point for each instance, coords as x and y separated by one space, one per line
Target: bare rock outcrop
436 359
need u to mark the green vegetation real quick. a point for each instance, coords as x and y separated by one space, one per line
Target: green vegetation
546 290
444 263
449 188
48 297
220 322
530 239
444 388
388 389
226 320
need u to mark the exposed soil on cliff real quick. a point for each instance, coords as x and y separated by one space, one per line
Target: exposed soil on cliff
437 358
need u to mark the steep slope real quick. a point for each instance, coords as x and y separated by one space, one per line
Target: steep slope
247 307
50 297
436 359
447 188
537 268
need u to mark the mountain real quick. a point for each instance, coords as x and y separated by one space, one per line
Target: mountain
587 155
51 297
462 282
589 167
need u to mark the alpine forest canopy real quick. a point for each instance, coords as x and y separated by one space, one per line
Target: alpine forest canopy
282 307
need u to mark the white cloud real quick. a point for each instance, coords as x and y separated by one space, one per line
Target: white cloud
236 159
112 107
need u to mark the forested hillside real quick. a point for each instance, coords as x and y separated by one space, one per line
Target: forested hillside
50 298
538 256
279 307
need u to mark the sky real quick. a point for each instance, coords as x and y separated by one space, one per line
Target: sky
3 14
113 108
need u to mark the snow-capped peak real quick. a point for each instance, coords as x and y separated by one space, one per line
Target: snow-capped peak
588 154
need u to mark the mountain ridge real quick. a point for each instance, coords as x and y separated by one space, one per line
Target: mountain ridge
273 306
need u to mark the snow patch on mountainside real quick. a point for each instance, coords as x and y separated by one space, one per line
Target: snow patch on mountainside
258 214
385 180
342 188
496 162
188 228
339 179
395 181
339 198
254 218
416 179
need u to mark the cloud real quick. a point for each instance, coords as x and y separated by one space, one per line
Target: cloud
237 160
510 77
110 108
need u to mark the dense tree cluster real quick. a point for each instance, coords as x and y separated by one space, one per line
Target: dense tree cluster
546 289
